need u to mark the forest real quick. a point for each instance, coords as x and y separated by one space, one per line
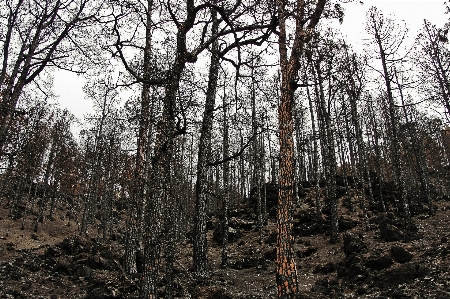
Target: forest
226 136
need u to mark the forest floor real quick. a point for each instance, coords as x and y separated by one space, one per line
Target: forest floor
57 263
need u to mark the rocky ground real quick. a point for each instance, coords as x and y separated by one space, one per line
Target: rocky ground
57 263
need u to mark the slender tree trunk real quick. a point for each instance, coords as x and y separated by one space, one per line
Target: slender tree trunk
363 176
330 157
137 208
315 158
416 146
226 186
48 170
378 166
256 175
204 154
395 143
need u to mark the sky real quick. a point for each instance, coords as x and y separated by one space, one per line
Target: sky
411 12
68 86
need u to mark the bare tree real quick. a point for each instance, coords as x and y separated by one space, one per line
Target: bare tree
38 34
388 38
433 60
305 22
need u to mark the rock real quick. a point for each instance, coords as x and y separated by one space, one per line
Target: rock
248 262
238 223
319 226
405 273
307 252
75 245
271 238
270 254
353 244
400 254
236 265
211 292
356 271
233 234
83 271
94 262
326 286
50 252
379 262
10 246
63 265
346 223
325 269
390 233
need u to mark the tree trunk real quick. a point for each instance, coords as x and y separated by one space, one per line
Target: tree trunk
330 156
226 186
204 155
315 158
395 143
286 272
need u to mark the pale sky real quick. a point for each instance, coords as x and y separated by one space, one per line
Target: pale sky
69 86
411 12
71 96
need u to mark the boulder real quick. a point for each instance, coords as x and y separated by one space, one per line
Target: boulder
390 233
405 273
400 254
64 265
325 269
353 244
356 271
270 254
307 252
346 223
379 262
233 234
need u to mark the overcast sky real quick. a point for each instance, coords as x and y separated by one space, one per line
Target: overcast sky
411 12
69 86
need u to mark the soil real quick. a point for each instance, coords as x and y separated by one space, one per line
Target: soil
384 262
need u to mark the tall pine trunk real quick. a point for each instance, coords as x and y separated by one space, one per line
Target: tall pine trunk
204 156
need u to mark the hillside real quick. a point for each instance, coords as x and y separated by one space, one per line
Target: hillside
57 263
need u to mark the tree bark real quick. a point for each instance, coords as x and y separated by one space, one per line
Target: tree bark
204 155
286 271
395 143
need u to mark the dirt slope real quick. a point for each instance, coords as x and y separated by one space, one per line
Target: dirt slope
57 263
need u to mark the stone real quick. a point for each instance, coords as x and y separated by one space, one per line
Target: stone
307 252
325 269
400 254
346 223
63 265
353 244
83 271
390 233
379 262
211 292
